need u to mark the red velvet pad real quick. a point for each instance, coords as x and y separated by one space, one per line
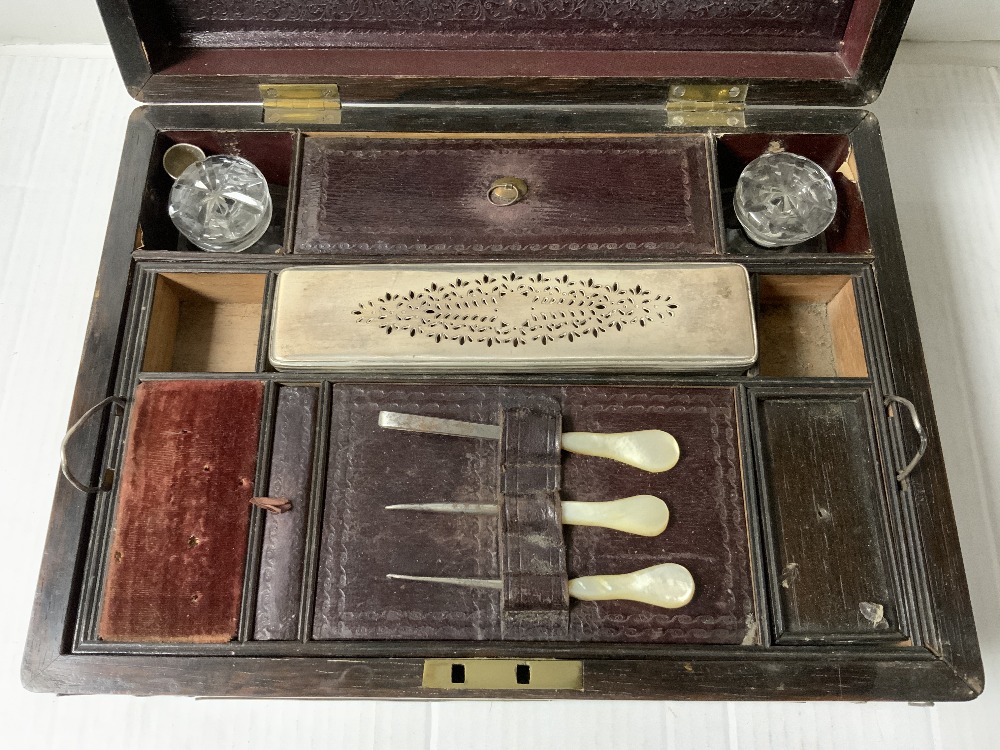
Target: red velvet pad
175 568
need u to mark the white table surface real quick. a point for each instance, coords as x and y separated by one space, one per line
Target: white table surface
63 113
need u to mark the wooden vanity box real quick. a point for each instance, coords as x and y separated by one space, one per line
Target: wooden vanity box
810 502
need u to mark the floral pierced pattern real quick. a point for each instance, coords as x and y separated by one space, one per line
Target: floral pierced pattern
512 309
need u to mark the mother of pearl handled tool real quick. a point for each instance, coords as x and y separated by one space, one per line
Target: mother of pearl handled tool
645 515
667 585
649 450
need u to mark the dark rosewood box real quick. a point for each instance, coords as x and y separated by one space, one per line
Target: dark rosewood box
810 502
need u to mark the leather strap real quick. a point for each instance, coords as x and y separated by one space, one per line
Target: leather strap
535 603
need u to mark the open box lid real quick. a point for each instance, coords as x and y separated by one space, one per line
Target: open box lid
787 52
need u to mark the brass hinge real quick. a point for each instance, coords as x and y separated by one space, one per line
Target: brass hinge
707 105
301 104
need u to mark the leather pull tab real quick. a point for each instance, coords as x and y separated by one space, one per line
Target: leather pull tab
272 504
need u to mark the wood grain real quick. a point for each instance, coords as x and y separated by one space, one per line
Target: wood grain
808 327
830 572
848 348
205 322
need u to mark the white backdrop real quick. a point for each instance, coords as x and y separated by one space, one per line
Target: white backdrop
63 114
78 22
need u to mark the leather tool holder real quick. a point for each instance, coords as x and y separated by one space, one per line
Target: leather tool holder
535 603
524 545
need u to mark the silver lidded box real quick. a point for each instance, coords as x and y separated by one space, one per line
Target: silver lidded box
514 317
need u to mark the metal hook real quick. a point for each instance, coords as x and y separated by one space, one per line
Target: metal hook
903 473
64 465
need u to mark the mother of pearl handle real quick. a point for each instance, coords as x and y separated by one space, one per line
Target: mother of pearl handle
645 515
649 450
668 585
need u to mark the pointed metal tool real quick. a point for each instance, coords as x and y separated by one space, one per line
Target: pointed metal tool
668 585
645 515
649 450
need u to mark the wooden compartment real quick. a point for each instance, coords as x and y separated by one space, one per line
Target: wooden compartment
272 152
382 198
205 322
806 64
195 315
175 563
808 327
847 234
824 502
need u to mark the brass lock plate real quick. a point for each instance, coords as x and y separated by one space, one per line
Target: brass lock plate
502 674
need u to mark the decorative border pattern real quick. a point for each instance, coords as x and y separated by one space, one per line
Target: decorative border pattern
337 616
550 18
324 229
684 177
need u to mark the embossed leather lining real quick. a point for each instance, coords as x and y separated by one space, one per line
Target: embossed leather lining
587 198
813 25
370 468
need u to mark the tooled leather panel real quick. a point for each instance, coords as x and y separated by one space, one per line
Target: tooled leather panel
283 550
588 199
370 468
495 24
176 560
707 532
